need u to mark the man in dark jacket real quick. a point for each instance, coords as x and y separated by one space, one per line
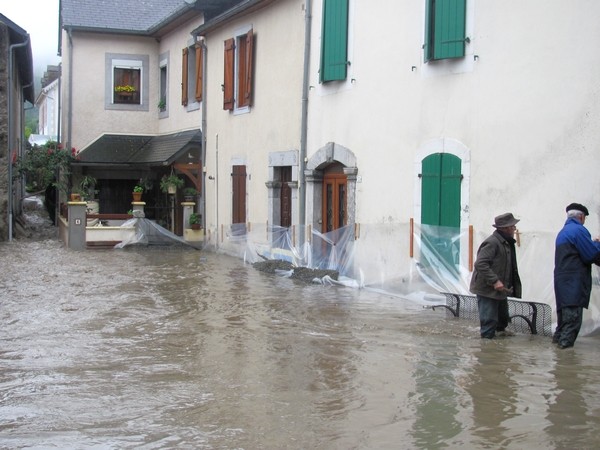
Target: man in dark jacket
496 276
573 258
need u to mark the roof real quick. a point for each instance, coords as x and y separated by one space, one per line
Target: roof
18 36
239 9
138 17
119 149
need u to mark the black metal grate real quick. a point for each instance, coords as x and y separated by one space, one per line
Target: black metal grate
526 317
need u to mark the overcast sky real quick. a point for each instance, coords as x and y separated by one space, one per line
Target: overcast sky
40 19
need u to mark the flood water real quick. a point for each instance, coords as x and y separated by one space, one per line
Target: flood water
164 348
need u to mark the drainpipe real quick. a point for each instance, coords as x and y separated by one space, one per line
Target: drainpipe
216 178
59 112
304 120
70 93
204 124
58 138
11 136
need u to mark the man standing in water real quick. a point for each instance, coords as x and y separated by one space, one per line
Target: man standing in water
496 276
573 258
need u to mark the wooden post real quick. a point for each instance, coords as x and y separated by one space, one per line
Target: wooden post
470 248
411 238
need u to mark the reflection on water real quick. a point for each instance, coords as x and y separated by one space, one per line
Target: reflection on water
159 348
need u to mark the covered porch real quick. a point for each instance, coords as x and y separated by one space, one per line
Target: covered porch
119 162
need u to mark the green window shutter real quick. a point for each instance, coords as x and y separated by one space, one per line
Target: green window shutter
428 44
431 189
440 190
450 191
449 29
334 49
444 29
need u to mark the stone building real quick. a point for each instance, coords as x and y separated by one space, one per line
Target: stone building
16 88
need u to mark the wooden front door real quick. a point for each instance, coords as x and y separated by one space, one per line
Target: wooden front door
335 201
286 197
238 179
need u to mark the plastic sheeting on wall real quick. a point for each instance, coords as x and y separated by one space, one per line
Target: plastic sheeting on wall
379 257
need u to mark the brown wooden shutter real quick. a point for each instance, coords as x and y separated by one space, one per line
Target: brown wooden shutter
228 74
249 68
184 77
238 179
198 93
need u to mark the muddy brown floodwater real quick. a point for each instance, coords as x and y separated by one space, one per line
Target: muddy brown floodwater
159 348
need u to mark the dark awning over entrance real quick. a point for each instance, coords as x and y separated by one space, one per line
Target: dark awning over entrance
118 150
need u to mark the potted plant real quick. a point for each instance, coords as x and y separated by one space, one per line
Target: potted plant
195 222
171 183
124 89
137 193
87 187
162 104
189 194
75 195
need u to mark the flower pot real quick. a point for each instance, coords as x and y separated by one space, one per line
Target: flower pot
137 196
196 226
75 197
172 189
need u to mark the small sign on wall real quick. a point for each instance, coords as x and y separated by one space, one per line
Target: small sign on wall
77 221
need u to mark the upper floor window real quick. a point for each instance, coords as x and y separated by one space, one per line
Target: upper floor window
191 73
334 41
162 86
237 85
127 85
444 29
126 82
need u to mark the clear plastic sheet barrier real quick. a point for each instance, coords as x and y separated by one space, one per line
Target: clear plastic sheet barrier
148 232
378 257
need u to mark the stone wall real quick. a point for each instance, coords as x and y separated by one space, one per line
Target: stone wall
4 41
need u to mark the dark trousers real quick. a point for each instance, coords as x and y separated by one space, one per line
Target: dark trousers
569 320
493 315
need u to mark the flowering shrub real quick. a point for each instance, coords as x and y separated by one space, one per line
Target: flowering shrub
125 88
42 164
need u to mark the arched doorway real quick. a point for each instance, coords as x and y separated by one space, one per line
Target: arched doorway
330 177
335 198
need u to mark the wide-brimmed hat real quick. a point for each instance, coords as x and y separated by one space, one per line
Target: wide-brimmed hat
578 207
505 220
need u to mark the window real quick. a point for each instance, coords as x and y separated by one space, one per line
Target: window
238 213
191 73
238 69
163 82
126 82
334 43
127 85
444 29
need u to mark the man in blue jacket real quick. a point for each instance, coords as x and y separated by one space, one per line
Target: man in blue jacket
574 255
